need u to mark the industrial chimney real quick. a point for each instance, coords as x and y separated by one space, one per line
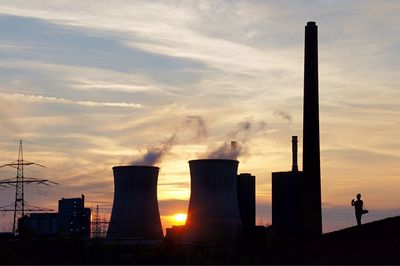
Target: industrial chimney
311 148
295 167
135 213
213 214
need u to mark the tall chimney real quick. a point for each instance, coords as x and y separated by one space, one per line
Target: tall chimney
311 150
295 168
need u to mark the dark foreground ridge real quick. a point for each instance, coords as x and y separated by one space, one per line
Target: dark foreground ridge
373 243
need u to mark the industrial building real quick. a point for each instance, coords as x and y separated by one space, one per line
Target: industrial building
174 234
296 196
246 193
72 220
213 213
39 224
135 213
288 200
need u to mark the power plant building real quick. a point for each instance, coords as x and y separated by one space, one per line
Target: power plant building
71 220
246 193
135 213
288 200
296 196
213 213
74 218
39 224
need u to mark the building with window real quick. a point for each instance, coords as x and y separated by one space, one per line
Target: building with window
72 220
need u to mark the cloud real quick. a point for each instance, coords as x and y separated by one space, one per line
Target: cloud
8 121
360 156
106 85
175 39
48 99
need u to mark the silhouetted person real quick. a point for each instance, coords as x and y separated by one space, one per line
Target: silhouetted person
359 208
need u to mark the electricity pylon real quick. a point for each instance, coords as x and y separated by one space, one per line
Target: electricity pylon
98 224
19 205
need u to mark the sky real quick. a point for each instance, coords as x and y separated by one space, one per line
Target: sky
88 85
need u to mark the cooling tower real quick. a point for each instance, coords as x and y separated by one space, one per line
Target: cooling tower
213 214
311 148
135 213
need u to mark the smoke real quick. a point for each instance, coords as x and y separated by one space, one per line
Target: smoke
154 155
226 151
243 132
247 129
283 115
200 125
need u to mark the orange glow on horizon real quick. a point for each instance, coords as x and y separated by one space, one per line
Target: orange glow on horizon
180 218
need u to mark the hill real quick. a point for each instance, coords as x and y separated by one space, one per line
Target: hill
373 243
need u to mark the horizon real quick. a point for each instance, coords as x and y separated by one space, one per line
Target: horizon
90 86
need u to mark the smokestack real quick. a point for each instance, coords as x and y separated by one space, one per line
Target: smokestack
234 148
234 145
213 213
135 213
295 168
311 149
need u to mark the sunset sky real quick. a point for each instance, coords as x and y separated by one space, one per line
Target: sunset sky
94 84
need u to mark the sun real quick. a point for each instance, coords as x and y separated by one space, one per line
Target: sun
180 217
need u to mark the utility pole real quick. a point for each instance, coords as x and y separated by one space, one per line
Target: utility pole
19 205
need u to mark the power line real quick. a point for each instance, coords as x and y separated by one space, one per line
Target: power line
19 181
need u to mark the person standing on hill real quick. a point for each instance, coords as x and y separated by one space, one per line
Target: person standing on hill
359 208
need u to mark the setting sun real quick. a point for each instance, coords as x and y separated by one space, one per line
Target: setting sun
180 217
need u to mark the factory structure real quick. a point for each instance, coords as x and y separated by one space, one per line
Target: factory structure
222 203
296 195
288 199
71 220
